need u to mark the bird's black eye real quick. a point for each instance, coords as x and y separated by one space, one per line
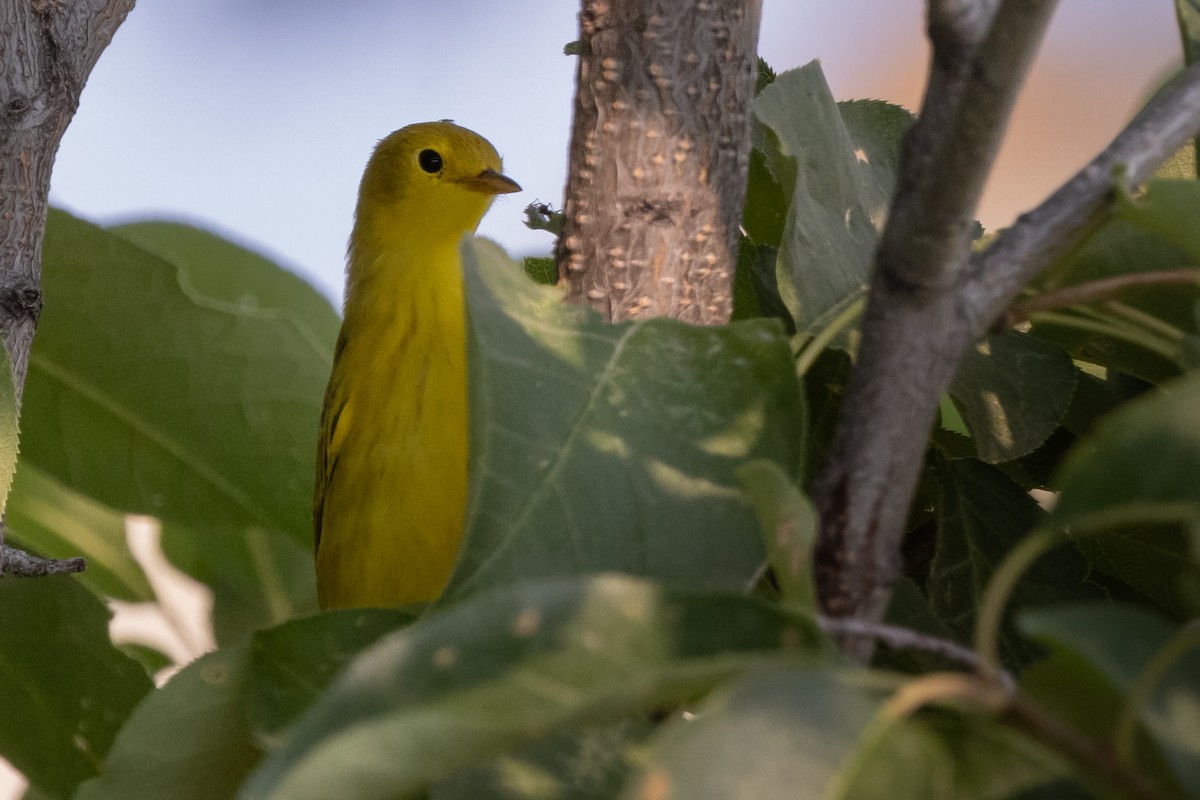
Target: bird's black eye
430 161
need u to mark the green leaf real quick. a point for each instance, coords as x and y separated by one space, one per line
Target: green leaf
466 684
775 733
1143 457
599 447
186 389
1101 334
1129 497
64 689
585 763
294 662
837 167
47 518
1012 392
541 270
941 754
981 516
789 524
1167 208
259 577
1120 643
186 741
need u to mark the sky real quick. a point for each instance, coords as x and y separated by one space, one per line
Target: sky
254 118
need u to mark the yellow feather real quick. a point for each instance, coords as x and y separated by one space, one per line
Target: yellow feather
391 478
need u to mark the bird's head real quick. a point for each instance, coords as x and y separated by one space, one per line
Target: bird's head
435 178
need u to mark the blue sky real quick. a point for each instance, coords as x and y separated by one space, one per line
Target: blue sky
255 117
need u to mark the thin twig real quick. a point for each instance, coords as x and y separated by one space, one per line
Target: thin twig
1097 290
899 638
1040 236
1028 717
20 564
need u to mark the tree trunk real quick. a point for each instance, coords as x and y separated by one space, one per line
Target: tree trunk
47 51
659 153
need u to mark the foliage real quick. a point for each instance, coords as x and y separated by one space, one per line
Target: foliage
612 628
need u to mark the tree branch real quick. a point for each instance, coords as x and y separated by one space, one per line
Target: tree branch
49 49
912 339
19 564
905 359
660 146
1042 235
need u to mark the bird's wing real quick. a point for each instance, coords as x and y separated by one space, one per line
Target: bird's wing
334 422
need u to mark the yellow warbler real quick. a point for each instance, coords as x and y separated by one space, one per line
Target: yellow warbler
391 479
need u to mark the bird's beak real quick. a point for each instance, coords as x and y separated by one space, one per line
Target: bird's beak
491 182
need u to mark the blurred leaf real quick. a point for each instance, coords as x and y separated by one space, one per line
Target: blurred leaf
64 689
1167 208
259 577
942 754
293 663
1120 643
463 685
981 516
837 167
49 519
1012 391
1118 249
634 470
1129 497
585 763
186 741
789 526
217 273
188 390
773 733
1143 457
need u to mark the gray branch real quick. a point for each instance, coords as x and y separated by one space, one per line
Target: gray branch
49 48
19 564
929 302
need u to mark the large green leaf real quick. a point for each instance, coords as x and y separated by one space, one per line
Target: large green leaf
778 733
1133 485
599 447
1012 392
64 689
187 741
981 516
294 662
1124 646
836 166
156 388
259 577
499 670
589 762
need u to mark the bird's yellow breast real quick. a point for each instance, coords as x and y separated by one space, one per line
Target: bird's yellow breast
393 520
391 477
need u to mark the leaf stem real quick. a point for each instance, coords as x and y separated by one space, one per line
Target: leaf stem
1110 328
999 589
1101 289
1125 733
811 350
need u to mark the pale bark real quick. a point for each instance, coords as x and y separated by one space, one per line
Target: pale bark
659 152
